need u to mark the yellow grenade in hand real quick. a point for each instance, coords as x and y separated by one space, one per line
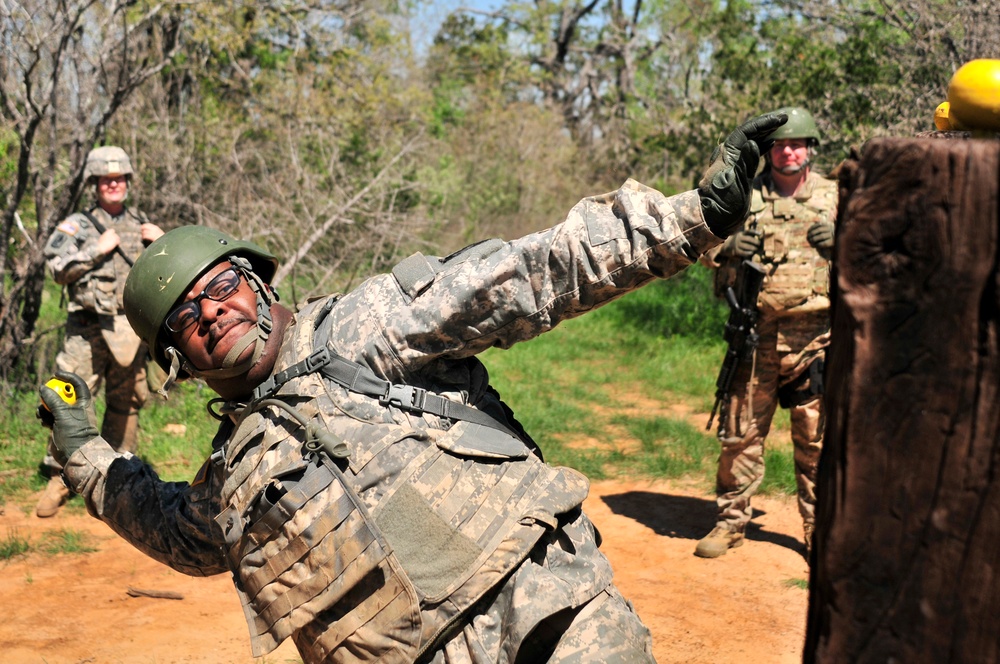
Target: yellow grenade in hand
63 389
66 393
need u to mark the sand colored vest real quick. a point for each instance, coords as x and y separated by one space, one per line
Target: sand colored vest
796 271
382 551
100 290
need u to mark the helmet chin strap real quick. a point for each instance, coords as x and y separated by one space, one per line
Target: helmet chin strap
256 335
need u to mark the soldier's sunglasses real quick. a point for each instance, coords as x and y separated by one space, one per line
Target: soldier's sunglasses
220 288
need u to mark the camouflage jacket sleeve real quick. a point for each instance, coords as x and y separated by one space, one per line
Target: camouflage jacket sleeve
171 522
71 250
608 246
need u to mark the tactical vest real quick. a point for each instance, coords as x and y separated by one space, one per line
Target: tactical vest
100 290
797 272
384 550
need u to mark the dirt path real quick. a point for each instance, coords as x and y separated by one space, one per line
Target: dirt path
745 606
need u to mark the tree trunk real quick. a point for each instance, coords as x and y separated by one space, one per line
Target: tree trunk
906 565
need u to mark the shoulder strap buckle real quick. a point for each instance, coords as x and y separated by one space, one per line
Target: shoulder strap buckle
406 397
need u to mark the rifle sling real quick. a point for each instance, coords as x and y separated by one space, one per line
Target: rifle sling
101 229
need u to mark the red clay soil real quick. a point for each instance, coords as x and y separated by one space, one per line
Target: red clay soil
748 606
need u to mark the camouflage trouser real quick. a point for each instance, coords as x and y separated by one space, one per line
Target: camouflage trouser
533 618
86 353
782 361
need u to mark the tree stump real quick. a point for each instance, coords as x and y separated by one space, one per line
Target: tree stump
906 566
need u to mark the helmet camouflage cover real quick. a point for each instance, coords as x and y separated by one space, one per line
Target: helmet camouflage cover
168 268
107 160
800 125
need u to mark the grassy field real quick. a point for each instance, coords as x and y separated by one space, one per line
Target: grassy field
615 393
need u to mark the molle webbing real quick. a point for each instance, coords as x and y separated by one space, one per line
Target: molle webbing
361 380
312 551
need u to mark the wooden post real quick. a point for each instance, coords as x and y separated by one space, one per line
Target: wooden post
906 564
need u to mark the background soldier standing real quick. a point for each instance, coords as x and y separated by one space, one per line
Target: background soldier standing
91 253
371 494
790 232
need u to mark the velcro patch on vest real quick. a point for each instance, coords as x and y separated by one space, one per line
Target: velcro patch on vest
414 274
433 553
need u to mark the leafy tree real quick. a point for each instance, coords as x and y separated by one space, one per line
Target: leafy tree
65 69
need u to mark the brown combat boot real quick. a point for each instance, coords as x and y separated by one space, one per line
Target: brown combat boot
716 543
55 496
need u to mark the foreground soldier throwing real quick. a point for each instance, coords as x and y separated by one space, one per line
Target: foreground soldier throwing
372 496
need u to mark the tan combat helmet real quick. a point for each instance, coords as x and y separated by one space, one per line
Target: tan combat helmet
107 160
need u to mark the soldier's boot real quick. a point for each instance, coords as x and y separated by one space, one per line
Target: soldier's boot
55 496
716 543
121 430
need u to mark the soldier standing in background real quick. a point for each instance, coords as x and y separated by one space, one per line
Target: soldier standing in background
372 496
790 232
90 253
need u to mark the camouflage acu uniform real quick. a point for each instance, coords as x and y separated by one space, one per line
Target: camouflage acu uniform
413 536
794 328
99 344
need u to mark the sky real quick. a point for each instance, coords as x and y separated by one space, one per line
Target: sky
429 15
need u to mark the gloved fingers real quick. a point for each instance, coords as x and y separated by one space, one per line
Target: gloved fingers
759 129
78 383
748 162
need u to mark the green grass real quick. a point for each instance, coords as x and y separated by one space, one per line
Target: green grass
802 584
65 540
13 545
670 447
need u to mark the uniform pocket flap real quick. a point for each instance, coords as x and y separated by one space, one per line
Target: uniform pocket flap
476 440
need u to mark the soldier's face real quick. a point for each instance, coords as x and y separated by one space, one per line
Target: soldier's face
790 155
220 324
112 189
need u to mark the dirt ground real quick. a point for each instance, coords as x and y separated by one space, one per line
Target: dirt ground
749 605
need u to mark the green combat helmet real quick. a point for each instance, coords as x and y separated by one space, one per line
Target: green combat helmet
167 269
107 160
800 125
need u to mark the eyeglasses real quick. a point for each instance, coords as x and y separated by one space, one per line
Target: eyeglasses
108 180
220 288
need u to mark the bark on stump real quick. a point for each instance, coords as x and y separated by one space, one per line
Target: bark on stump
906 565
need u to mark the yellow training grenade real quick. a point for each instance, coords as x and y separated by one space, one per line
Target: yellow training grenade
66 393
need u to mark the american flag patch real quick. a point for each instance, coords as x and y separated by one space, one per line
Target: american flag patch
69 227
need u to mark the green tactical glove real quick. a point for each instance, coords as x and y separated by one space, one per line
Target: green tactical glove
820 236
744 244
725 187
73 425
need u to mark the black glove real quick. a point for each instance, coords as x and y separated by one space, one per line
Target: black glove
744 244
820 236
73 425
725 187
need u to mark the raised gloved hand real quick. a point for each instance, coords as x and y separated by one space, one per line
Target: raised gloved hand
744 244
74 425
820 236
725 187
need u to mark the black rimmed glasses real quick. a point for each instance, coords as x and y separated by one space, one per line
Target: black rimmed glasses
220 288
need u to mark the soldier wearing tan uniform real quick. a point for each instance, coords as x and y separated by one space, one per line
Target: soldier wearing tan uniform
90 254
790 232
371 494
